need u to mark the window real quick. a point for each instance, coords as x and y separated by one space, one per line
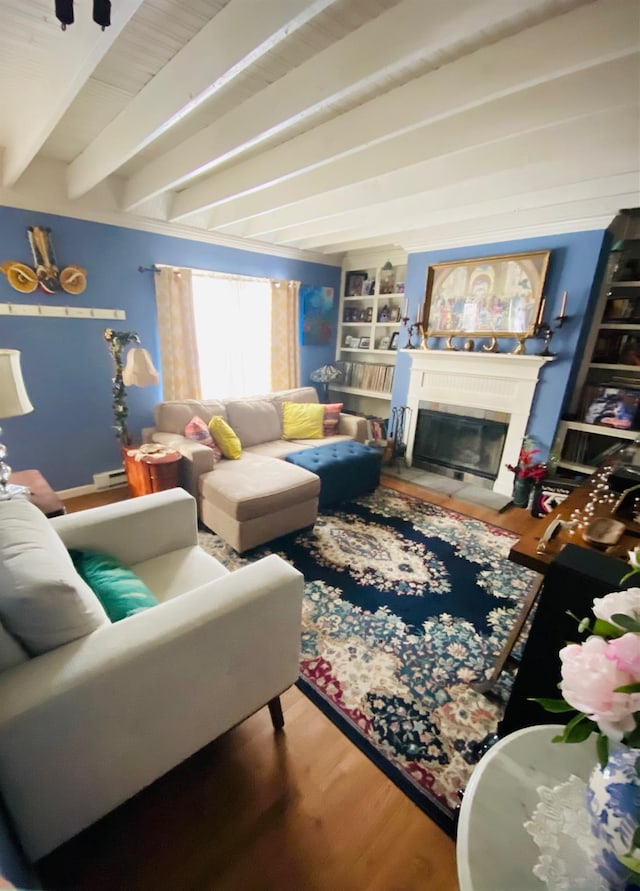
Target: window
233 331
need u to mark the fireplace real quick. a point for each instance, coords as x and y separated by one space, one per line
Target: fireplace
466 445
477 386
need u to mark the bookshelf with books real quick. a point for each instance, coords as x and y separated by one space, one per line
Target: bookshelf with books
605 409
372 305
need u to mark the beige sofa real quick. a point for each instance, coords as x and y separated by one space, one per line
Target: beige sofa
259 496
109 708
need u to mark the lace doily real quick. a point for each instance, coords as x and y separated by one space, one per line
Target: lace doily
561 829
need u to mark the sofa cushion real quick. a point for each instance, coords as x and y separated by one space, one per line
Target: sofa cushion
254 421
43 601
11 653
117 587
198 431
256 486
173 416
300 394
331 417
225 437
302 420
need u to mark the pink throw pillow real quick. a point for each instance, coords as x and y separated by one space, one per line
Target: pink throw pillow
197 430
331 418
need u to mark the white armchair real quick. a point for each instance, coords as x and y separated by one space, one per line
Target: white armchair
85 726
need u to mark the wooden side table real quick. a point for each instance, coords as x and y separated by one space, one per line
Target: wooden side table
41 493
151 473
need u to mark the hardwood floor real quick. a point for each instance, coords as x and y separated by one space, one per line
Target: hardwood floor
302 810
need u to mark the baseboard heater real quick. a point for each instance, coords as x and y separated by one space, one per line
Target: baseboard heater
110 478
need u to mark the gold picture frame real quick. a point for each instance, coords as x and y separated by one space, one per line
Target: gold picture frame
497 296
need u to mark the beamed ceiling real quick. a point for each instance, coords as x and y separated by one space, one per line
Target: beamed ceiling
328 126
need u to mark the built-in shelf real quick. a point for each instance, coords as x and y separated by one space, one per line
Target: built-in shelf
601 430
356 391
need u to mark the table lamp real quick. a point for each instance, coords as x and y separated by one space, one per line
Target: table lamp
326 375
13 402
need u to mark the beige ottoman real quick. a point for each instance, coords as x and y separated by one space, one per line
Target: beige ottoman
256 499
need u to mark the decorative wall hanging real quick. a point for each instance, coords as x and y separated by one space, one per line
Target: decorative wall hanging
488 296
317 311
45 273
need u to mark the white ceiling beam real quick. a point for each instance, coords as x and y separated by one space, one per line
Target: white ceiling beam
593 213
34 112
528 58
239 35
568 98
519 198
546 154
332 75
538 107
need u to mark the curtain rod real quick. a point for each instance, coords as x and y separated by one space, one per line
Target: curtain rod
210 273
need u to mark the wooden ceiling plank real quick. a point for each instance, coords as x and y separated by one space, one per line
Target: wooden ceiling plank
34 111
234 39
541 53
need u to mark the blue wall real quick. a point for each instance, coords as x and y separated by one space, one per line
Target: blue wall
576 265
65 362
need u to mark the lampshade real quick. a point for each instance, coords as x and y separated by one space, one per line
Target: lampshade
139 370
13 395
325 374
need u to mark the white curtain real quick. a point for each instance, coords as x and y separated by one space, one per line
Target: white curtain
233 331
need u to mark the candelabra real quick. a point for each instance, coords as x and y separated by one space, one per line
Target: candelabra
544 330
412 329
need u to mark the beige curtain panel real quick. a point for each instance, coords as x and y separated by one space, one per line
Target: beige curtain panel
178 345
285 335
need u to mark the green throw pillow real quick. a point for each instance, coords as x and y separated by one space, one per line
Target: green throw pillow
117 587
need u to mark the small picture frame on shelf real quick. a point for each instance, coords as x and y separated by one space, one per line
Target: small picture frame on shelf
365 342
367 287
393 345
385 343
348 341
613 407
354 283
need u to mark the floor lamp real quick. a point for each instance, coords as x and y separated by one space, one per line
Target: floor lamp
138 372
13 402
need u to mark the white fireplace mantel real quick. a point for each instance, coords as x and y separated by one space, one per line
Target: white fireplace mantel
501 382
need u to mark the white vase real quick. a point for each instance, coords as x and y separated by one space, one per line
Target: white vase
613 802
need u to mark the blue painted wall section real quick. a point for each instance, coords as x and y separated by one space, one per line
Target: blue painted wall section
65 362
576 265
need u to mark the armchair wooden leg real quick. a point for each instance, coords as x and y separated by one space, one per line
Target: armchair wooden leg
275 710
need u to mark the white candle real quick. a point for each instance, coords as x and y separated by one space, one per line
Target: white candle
564 304
405 308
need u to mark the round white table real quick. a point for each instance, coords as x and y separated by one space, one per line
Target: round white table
494 851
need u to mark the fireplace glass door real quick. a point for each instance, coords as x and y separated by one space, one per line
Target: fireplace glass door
459 443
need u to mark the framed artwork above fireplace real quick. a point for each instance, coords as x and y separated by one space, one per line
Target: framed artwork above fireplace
486 297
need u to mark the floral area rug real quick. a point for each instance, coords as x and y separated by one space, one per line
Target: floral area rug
406 604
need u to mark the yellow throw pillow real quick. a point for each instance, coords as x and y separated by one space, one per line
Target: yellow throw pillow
225 438
302 420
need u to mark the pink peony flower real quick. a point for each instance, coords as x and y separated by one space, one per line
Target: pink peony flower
625 652
589 679
627 602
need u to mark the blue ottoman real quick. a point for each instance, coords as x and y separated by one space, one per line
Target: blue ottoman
346 469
